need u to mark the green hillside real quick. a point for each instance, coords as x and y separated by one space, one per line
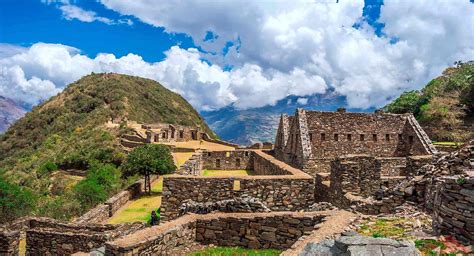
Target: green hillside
445 106
68 132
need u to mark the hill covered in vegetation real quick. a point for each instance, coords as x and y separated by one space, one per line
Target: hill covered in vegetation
69 132
445 106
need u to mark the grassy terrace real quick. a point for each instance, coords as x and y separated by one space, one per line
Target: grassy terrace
227 173
235 251
140 209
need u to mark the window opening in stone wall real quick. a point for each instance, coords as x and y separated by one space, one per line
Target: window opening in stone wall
410 139
236 185
349 137
362 137
336 137
237 162
163 135
374 137
387 137
400 137
181 134
311 137
218 163
172 134
157 138
246 153
323 136
208 153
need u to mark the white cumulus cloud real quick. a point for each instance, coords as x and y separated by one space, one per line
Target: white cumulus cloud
44 69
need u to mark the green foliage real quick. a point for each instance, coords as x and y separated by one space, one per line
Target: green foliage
47 168
101 181
443 105
68 132
460 181
235 251
15 201
408 102
149 159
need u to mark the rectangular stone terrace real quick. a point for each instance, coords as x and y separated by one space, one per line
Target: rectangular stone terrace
275 183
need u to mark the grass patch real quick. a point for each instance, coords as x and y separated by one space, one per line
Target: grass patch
227 173
445 246
235 251
140 209
390 228
447 143
22 247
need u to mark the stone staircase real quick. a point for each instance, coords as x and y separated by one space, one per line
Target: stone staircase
425 140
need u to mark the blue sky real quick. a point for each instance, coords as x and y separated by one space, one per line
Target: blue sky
25 22
237 52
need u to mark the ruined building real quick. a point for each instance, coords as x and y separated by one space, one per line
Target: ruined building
161 132
310 140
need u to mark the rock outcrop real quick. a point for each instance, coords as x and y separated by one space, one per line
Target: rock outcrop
352 244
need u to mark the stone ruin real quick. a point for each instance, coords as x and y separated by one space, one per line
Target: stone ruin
366 163
310 140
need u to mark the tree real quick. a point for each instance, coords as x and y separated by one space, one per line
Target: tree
15 201
147 160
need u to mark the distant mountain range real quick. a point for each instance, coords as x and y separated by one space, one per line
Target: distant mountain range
10 111
246 127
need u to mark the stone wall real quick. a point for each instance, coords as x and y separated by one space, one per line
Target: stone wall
265 164
227 160
49 237
279 232
392 166
192 166
255 230
102 212
340 133
46 236
453 207
277 193
309 140
293 191
9 242
359 175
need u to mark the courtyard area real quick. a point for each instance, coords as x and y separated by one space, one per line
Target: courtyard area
140 209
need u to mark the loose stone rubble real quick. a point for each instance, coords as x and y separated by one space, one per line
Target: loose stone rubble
351 244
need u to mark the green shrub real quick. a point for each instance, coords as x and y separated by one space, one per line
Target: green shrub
15 201
47 168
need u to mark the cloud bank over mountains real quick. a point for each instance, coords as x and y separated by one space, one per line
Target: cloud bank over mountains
257 53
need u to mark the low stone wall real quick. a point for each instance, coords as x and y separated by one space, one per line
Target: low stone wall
272 231
453 207
414 164
50 237
9 242
228 160
165 239
392 166
292 192
98 214
253 230
102 212
114 203
265 164
192 166
45 236
356 174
